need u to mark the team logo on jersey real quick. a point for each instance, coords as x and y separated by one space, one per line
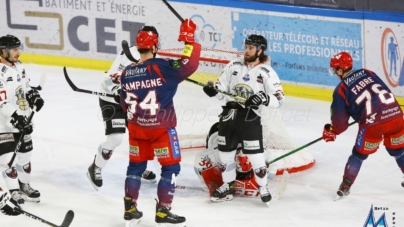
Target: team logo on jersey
260 79
246 77
106 154
12 173
177 64
243 90
27 167
392 61
135 72
21 101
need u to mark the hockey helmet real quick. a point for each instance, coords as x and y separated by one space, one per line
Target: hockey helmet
257 40
9 41
342 61
242 162
147 38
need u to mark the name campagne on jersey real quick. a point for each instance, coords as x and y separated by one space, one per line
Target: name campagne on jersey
143 84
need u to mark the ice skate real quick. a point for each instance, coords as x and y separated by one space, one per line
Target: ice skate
94 176
223 193
148 177
132 214
265 195
17 196
28 193
344 189
164 218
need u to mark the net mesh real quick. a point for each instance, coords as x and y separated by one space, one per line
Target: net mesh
195 115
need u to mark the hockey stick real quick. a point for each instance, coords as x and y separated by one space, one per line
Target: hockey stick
75 88
191 188
126 51
300 148
66 222
19 143
41 82
173 11
282 185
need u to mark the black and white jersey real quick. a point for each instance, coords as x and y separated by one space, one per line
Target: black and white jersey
242 80
13 89
121 61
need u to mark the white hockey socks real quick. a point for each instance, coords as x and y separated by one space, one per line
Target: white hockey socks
9 174
23 167
259 168
228 166
106 149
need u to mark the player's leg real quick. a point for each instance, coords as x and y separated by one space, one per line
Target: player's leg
140 152
115 127
10 175
167 150
394 143
367 142
251 140
24 167
227 145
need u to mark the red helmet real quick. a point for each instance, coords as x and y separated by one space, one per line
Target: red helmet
341 60
147 38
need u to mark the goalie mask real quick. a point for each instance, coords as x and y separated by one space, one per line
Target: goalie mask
242 162
147 38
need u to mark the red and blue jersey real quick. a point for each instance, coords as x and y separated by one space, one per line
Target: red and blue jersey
148 88
363 96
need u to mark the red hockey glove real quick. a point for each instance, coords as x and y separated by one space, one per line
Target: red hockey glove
328 134
187 31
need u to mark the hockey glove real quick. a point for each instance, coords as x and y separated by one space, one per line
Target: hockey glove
261 98
328 134
209 90
7 204
34 99
20 122
116 78
187 31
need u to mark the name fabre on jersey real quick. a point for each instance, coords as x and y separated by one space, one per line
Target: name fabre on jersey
143 84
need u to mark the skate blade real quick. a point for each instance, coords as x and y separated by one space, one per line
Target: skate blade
223 199
171 225
152 181
89 178
132 222
338 198
31 200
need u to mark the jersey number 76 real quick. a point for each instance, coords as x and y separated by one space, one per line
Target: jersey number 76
366 97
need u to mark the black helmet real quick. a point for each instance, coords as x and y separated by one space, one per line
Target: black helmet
9 41
257 40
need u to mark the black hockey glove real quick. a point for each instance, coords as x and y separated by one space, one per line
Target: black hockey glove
209 90
261 98
20 122
34 99
7 204
116 90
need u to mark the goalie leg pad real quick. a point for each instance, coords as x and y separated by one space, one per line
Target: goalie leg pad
133 179
227 165
212 178
166 185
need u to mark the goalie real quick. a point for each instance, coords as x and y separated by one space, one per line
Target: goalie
207 168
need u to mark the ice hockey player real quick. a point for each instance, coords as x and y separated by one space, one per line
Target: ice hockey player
114 120
147 95
7 204
254 79
17 99
362 95
206 167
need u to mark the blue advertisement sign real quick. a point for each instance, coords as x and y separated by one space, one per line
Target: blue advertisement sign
300 49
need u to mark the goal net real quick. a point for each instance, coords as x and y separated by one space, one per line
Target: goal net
196 112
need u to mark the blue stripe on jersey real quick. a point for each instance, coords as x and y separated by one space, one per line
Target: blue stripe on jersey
175 145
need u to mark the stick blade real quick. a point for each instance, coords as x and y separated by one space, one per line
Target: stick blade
68 80
126 50
68 219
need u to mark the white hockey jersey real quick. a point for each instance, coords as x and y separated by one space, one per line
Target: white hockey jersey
120 63
242 80
13 89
